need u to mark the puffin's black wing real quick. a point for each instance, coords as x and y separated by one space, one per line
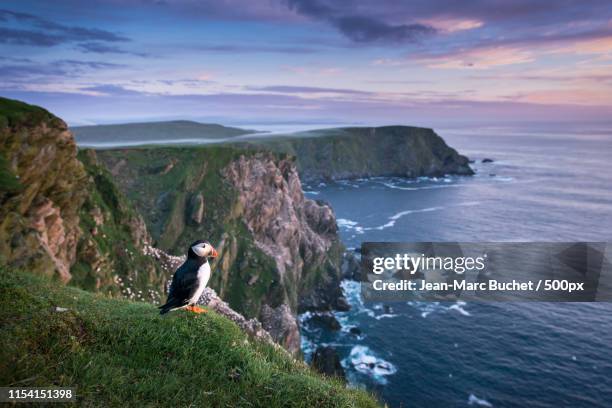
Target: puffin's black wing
184 284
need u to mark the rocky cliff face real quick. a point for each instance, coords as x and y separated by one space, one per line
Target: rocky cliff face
299 234
39 212
63 216
296 232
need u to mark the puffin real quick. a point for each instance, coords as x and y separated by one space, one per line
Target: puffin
190 279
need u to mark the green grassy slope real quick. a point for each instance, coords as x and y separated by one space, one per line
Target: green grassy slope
122 353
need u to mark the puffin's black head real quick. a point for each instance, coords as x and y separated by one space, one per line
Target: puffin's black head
201 249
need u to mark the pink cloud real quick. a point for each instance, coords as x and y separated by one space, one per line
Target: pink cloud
479 58
451 25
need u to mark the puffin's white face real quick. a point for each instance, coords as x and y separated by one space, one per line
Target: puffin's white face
204 249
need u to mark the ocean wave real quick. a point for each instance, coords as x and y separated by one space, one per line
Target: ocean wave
312 192
364 361
350 225
474 400
395 217
385 316
428 308
459 308
308 347
352 292
359 229
433 187
344 223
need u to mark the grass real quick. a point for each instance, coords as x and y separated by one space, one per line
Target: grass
14 113
122 353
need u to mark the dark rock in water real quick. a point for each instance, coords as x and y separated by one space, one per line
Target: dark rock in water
355 331
326 320
326 298
388 309
471 161
350 267
487 160
492 174
342 304
327 361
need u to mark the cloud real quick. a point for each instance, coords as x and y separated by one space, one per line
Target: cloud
101 48
361 28
23 71
110 90
366 29
576 96
247 108
45 33
479 58
247 49
452 25
306 90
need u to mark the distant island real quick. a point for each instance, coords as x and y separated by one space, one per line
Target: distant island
153 132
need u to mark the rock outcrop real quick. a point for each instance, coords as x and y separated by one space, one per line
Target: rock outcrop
296 232
299 234
39 217
62 215
196 208
282 325
327 361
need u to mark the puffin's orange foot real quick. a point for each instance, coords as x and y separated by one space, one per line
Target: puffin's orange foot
198 310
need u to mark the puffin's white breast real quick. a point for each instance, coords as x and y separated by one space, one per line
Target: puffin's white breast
203 277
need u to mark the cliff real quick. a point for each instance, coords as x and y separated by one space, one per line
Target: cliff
278 251
43 188
345 153
64 217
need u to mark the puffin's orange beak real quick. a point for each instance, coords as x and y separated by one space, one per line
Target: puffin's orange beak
214 253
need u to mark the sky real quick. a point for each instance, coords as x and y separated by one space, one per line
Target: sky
418 62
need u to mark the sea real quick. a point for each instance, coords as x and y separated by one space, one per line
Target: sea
544 184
